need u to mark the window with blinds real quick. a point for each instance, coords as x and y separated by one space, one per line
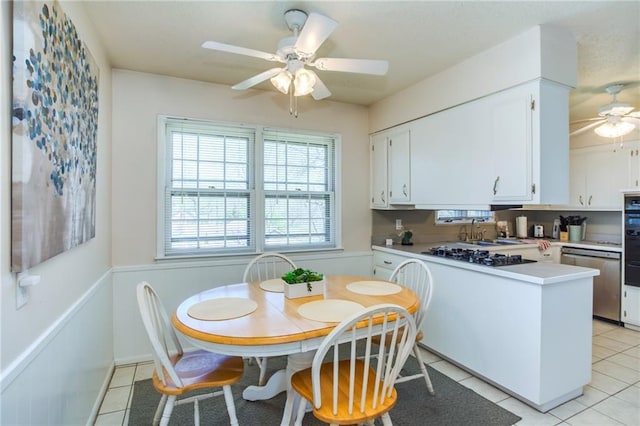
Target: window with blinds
229 189
463 216
298 189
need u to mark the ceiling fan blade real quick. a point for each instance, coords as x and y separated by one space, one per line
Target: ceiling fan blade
587 127
320 91
587 120
361 66
315 31
634 114
633 120
257 79
214 45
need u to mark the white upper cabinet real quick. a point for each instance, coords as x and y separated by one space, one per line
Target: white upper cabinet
598 174
378 171
399 166
449 150
390 168
633 157
510 145
530 144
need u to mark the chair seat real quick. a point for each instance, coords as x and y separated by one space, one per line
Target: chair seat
201 369
301 382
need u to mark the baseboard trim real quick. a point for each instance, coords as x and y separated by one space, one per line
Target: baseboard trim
103 391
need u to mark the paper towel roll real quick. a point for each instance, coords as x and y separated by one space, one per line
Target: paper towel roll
521 227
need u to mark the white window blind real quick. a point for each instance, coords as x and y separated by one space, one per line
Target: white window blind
208 200
299 190
229 189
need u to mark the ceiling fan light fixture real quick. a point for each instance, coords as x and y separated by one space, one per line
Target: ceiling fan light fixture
615 108
303 83
282 82
615 129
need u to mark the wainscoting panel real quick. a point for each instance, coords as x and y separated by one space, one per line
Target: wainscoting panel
175 281
61 378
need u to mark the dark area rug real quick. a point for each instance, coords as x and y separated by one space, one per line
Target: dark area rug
453 404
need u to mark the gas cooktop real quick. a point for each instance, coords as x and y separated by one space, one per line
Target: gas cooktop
480 257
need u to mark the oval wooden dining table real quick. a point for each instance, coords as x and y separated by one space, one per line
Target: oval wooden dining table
275 327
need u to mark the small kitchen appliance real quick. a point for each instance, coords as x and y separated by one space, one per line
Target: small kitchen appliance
556 229
521 227
538 231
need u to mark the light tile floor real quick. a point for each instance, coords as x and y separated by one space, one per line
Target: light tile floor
612 397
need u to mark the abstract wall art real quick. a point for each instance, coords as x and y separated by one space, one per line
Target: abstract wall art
54 135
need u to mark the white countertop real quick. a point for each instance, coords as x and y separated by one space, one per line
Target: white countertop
540 273
592 245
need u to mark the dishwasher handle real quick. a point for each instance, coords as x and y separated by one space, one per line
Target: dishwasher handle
590 253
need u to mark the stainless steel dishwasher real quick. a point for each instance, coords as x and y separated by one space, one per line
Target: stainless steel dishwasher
606 286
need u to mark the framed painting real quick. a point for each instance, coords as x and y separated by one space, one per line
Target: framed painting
54 135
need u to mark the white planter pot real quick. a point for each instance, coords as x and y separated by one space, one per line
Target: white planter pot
293 291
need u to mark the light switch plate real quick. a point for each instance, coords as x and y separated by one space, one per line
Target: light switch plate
398 224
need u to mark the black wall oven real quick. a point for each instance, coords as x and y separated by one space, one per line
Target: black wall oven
632 240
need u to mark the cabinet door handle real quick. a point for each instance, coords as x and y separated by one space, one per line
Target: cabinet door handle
386 262
580 199
495 185
590 198
382 196
404 189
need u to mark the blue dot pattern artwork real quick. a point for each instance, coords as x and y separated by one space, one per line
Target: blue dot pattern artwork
55 132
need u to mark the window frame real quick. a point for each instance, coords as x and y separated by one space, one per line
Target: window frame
257 193
464 219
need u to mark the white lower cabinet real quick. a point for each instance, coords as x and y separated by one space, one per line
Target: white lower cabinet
631 305
551 336
385 263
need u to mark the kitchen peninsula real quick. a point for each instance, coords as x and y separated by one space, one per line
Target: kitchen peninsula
525 328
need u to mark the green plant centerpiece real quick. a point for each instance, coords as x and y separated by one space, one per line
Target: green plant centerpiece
299 275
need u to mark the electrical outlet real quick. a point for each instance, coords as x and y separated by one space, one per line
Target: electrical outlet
398 224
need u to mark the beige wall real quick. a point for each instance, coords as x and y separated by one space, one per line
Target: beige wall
139 98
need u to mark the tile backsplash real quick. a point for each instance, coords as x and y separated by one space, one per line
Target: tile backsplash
601 225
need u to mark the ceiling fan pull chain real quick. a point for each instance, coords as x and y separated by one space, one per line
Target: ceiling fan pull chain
291 99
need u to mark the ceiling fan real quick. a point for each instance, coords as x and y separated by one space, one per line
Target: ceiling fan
614 120
298 52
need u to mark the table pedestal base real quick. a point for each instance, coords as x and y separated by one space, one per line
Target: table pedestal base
280 381
277 383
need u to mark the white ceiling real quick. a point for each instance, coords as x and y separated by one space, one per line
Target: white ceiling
418 38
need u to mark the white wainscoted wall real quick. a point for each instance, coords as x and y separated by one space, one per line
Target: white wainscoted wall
61 376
